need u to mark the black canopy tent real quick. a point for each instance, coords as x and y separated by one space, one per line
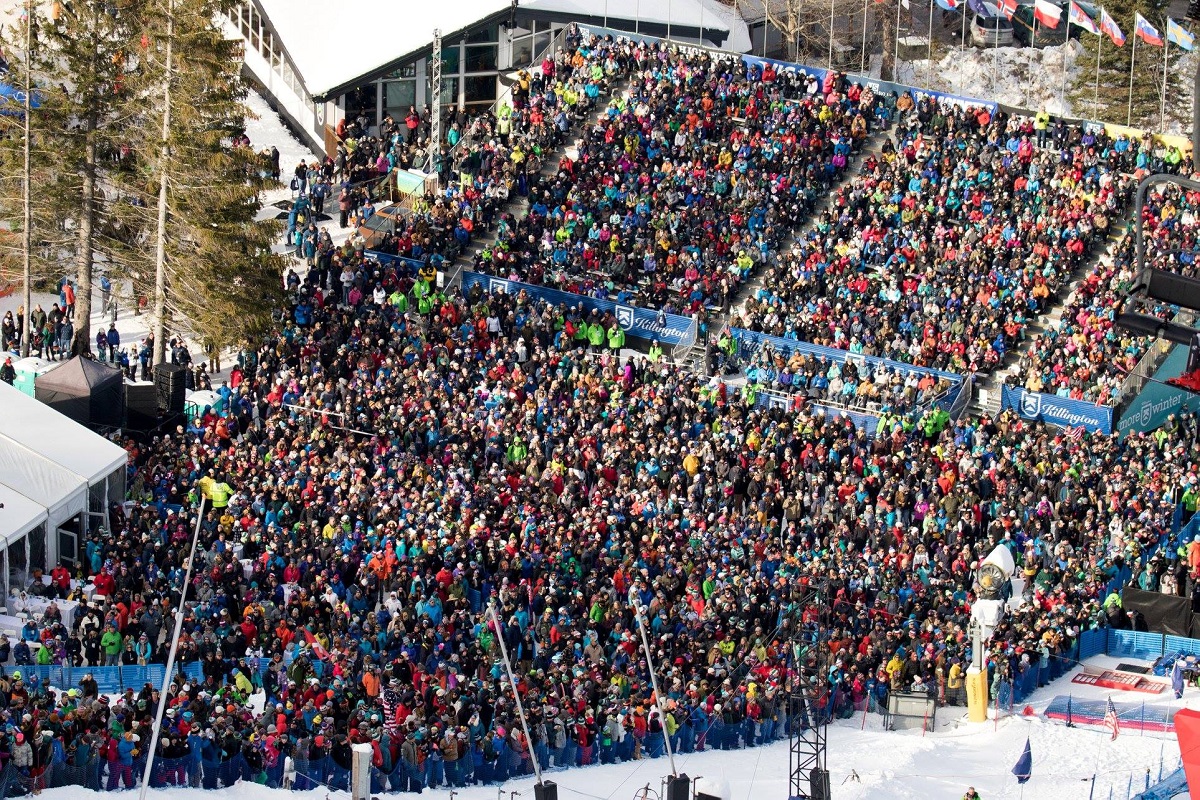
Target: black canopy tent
86 391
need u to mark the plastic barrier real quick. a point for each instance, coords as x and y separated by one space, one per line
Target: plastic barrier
109 680
1055 410
1137 716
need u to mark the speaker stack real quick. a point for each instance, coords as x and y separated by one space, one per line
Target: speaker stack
170 387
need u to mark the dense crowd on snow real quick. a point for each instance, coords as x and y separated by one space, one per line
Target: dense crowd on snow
395 459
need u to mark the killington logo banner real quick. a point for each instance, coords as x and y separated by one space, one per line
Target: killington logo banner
1055 410
668 329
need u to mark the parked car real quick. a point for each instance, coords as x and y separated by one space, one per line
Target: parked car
1023 27
991 29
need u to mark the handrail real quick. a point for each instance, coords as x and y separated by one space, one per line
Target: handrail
536 60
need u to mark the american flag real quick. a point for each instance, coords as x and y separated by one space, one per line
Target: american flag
1111 721
1075 433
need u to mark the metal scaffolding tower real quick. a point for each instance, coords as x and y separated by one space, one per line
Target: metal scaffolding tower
435 103
807 699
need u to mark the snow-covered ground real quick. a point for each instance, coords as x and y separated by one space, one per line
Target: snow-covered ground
1017 76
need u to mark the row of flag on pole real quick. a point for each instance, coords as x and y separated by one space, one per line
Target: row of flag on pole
1049 14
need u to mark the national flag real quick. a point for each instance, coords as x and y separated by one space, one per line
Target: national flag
948 5
1147 32
1008 7
1077 16
1076 432
1177 679
1047 13
1177 34
1110 26
1111 721
1023 769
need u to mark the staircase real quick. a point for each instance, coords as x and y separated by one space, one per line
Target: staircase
988 388
873 146
519 206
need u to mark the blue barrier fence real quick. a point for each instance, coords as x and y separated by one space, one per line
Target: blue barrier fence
749 343
864 421
109 680
1091 712
671 329
389 260
1166 788
1055 410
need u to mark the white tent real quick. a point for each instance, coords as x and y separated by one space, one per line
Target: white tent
38 427
19 514
55 471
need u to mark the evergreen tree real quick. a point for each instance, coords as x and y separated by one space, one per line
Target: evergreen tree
1114 75
79 61
220 282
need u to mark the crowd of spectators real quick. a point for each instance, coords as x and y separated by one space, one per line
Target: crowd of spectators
1085 356
394 459
949 241
687 183
380 474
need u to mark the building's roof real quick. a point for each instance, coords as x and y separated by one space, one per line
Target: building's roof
333 45
333 49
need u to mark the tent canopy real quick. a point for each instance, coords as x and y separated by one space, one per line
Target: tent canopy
36 427
19 515
85 390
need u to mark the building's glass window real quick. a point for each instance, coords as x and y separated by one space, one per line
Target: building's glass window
479 89
361 102
488 34
398 96
450 59
481 58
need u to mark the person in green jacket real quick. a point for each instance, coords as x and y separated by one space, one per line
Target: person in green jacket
595 335
110 643
656 352
616 338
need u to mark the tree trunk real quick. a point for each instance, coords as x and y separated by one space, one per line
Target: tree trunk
83 269
891 31
160 251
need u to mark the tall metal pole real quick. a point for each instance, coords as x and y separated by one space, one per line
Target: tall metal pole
862 58
1129 104
27 240
929 51
435 103
166 684
1096 88
662 716
832 10
512 681
1162 114
160 246
896 48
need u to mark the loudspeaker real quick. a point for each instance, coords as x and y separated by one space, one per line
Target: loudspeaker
546 790
141 406
818 784
679 787
170 387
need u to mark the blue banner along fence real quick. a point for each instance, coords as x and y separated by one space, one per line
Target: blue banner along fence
864 421
749 342
1055 410
109 680
671 329
389 260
